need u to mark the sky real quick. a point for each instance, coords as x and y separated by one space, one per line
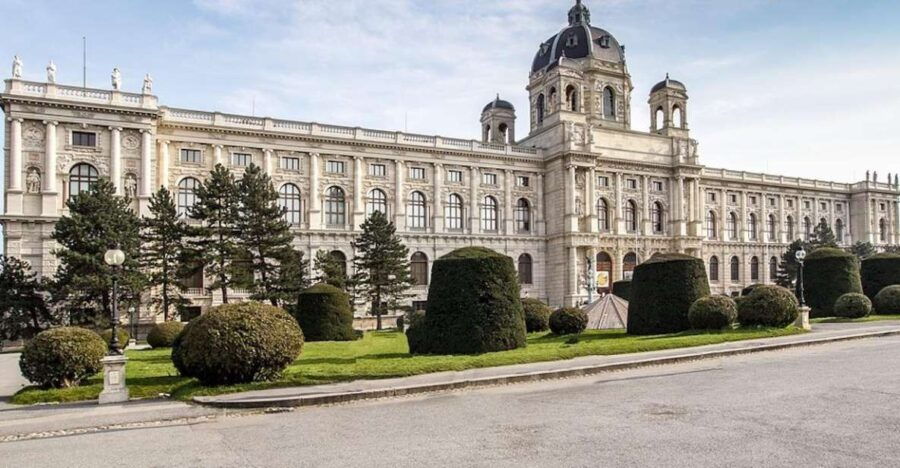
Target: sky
794 87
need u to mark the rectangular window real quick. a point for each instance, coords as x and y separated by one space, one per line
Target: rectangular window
753 200
241 159
191 156
417 173
489 179
522 181
657 186
602 181
823 206
790 203
881 206
631 183
335 167
419 306
733 198
806 204
839 207
454 176
771 202
712 197
377 170
84 139
290 164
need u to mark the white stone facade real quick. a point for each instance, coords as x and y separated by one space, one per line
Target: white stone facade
581 185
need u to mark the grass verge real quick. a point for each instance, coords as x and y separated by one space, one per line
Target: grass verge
870 318
380 355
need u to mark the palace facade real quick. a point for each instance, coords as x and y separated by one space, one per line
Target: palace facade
582 196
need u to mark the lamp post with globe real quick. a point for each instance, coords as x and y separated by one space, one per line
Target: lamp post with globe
800 255
114 388
115 258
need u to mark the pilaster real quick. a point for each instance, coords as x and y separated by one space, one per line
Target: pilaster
50 193
315 199
115 163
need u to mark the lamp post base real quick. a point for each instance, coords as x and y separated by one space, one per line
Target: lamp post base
114 388
803 319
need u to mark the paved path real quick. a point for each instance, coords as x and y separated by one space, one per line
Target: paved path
11 380
830 405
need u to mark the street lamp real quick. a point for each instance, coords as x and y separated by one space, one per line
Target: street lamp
114 258
800 255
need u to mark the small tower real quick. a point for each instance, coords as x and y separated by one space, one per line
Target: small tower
498 122
668 108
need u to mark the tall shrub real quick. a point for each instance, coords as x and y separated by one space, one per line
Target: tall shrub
323 312
828 274
662 291
878 272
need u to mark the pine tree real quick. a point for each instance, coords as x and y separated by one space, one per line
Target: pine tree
822 236
291 278
862 249
332 270
788 266
164 236
98 220
214 243
264 236
23 310
382 265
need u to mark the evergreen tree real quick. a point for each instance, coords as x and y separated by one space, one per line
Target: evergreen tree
862 249
822 236
382 265
291 278
98 220
788 266
23 310
214 243
332 270
164 236
264 236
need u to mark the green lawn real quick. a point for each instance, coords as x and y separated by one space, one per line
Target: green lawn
870 318
383 355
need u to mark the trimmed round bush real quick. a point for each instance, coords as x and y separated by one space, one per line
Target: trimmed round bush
749 289
473 304
324 314
237 343
853 305
712 313
537 315
887 301
62 357
568 321
878 272
662 291
163 335
622 289
769 306
827 275
415 333
121 332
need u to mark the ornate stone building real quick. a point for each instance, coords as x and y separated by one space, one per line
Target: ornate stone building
581 196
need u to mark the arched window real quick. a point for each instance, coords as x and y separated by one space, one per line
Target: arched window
571 99
751 226
712 228
773 268
807 228
790 228
628 264
418 268
504 129
489 214
376 201
677 117
839 230
657 218
523 216
416 211
772 228
659 118
81 178
335 207
487 133
553 99
631 216
609 103
754 269
340 259
603 215
882 230
732 226
453 213
525 276
289 200
187 195
714 268
540 109
735 269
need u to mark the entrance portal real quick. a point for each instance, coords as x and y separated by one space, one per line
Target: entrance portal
604 273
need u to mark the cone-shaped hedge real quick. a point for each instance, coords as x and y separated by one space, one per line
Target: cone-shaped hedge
622 289
473 305
324 314
827 275
878 272
662 291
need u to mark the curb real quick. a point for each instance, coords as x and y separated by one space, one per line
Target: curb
345 397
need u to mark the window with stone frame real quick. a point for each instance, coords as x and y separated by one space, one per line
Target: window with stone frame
86 139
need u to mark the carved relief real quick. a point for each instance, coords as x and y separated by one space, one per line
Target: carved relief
131 141
33 135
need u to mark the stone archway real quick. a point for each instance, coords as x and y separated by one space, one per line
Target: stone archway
604 273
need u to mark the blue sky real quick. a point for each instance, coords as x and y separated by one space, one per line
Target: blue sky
792 87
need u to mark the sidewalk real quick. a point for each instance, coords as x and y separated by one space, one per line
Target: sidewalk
442 381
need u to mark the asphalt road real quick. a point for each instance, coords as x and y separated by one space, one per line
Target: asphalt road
11 380
831 405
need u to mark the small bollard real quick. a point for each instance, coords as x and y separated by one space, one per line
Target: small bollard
803 319
114 389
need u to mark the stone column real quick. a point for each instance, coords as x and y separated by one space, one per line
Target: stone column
437 218
646 229
571 216
509 227
315 202
268 160
49 197
743 225
115 164
782 221
359 207
619 206
678 207
723 221
146 164
572 267
474 225
539 212
590 200
164 163
217 155
399 198
15 157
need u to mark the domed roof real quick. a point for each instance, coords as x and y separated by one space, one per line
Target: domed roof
578 40
668 83
498 104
